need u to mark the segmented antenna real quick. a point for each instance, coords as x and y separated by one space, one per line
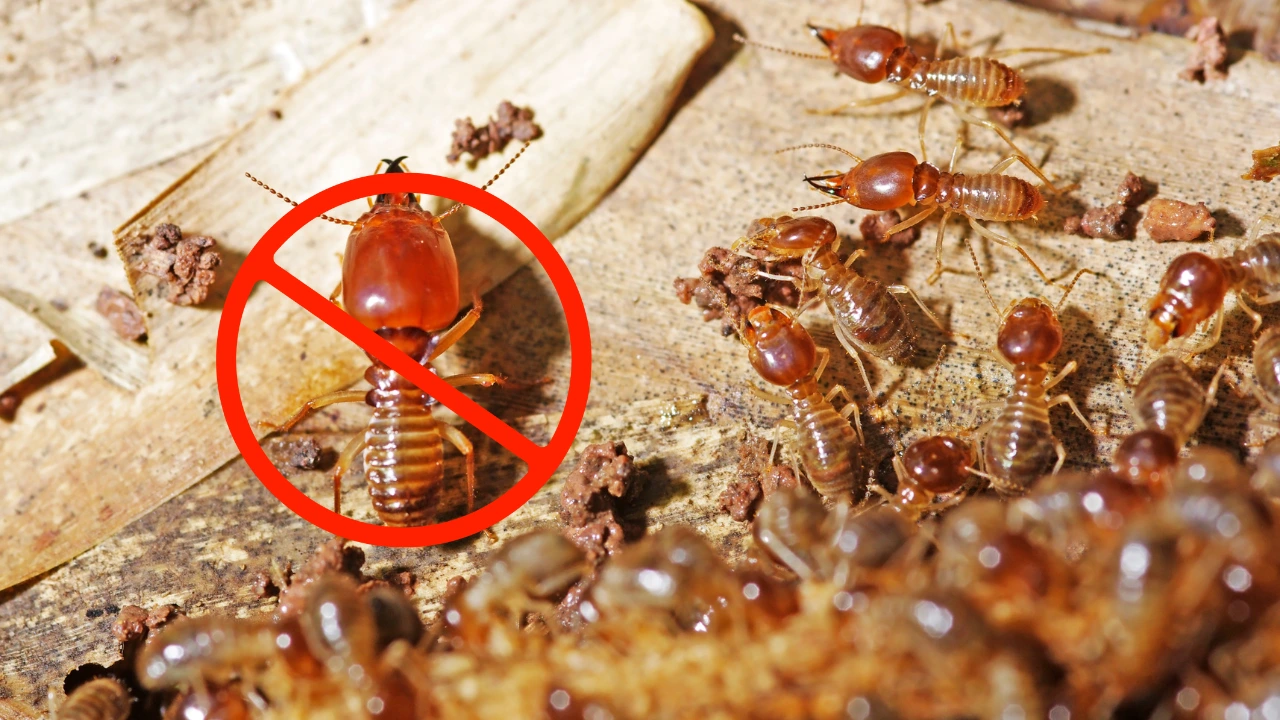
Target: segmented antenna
981 279
492 180
285 198
1071 287
774 48
807 208
819 145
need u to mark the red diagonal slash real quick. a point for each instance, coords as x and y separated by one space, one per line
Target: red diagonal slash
259 265
427 381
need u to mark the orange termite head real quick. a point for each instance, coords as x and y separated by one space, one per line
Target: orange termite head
1030 333
861 52
399 270
883 182
406 199
1145 459
1192 290
780 349
938 464
788 237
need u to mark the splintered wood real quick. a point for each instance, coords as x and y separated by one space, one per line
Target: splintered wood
74 493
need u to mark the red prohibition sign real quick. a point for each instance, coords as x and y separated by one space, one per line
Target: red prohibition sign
542 461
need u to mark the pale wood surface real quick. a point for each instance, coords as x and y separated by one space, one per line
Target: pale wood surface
708 174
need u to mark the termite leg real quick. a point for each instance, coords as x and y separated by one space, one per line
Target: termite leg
1257 226
1065 399
948 37
1010 243
937 249
460 328
1266 300
1056 51
1062 454
911 221
341 467
975 120
850 409
857 254
860 103
460 441
843 336
824 357
333 398
1219 319
489 380
766 395
1026 161
1254 315
1062 374
904 290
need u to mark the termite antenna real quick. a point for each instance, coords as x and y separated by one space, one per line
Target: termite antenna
285 198
775 48
1071 287
492 180
818 145
807 208
982 279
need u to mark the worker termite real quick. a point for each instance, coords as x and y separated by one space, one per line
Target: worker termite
1018 445
895 180
867 315
1195 285
1266 368
204 651
1169 399
783 353
400 279
103 698
873 54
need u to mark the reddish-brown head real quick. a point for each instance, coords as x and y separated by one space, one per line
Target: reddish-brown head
1030 334
1191 291
883 182
938 464
1145 459
861 52
795 236
399 269
780 349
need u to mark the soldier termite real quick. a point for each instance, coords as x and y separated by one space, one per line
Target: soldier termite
400 279
895 180
1195 285
867 315
831 450
874 54
1018 445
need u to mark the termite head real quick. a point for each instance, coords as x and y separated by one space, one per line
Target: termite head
788 237
1030 333
405 199
938 464
780 349
1192 290
883 182
861 52
1145 459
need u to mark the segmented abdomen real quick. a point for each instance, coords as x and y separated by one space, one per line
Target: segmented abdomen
1019 445
1266 364
1261 264
975 81
869 314
991 197
1169 399
404 452
829 449
101 699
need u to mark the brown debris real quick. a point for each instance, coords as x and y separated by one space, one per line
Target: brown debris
592 498
333 556
1178 221
874 227
404 581
264 586
512 123
1208 59
1118 221
730 286
188 264
301 454
756 479
98 251
135 622
1011 116
1266 165
122 313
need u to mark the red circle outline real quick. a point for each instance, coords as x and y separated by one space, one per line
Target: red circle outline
260 262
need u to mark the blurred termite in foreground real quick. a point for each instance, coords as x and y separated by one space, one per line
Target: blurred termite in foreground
783 353
895 180
1195 285
400 279
874 54
867 315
